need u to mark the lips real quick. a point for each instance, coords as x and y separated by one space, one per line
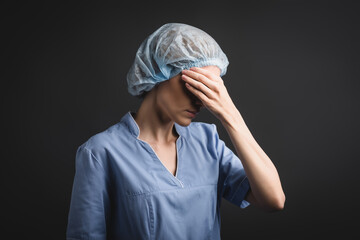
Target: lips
194 112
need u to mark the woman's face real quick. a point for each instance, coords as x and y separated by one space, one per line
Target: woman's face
176 101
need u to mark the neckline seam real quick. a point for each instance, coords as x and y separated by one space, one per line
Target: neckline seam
137 134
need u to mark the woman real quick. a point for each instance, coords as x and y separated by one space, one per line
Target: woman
156 174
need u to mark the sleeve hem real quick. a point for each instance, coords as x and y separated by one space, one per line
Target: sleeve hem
239 195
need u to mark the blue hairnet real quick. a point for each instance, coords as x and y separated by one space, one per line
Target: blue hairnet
169 50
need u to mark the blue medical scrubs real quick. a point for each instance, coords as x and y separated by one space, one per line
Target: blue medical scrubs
122 190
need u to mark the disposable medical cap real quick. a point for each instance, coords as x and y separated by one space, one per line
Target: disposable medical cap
169 50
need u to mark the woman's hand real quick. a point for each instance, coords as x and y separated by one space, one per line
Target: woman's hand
265 185
210 89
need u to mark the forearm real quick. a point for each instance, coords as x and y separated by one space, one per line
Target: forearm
262 175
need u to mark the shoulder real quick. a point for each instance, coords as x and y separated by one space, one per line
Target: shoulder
202 137
102 142
196 128
205 133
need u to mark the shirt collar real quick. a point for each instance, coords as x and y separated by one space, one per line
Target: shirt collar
134 129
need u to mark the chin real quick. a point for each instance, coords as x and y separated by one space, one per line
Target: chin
184 122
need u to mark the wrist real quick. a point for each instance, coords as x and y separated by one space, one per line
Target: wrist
234 122
232 119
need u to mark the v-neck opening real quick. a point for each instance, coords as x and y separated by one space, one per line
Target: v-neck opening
158 158
177 147
166 169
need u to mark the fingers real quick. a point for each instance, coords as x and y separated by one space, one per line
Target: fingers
197 85
200 95
206 73
201 78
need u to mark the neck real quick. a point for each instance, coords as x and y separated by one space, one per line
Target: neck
155 126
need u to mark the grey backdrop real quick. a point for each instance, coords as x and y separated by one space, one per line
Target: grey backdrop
293 74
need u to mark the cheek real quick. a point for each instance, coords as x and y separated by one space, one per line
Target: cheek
174 95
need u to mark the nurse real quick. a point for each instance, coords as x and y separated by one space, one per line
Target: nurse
157 174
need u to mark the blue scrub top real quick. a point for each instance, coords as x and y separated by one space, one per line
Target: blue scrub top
122 190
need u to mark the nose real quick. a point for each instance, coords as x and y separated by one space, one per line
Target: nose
198 103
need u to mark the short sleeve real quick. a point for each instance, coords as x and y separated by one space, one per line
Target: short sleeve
89 205
233 182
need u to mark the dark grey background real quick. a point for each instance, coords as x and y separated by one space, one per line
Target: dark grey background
293 74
